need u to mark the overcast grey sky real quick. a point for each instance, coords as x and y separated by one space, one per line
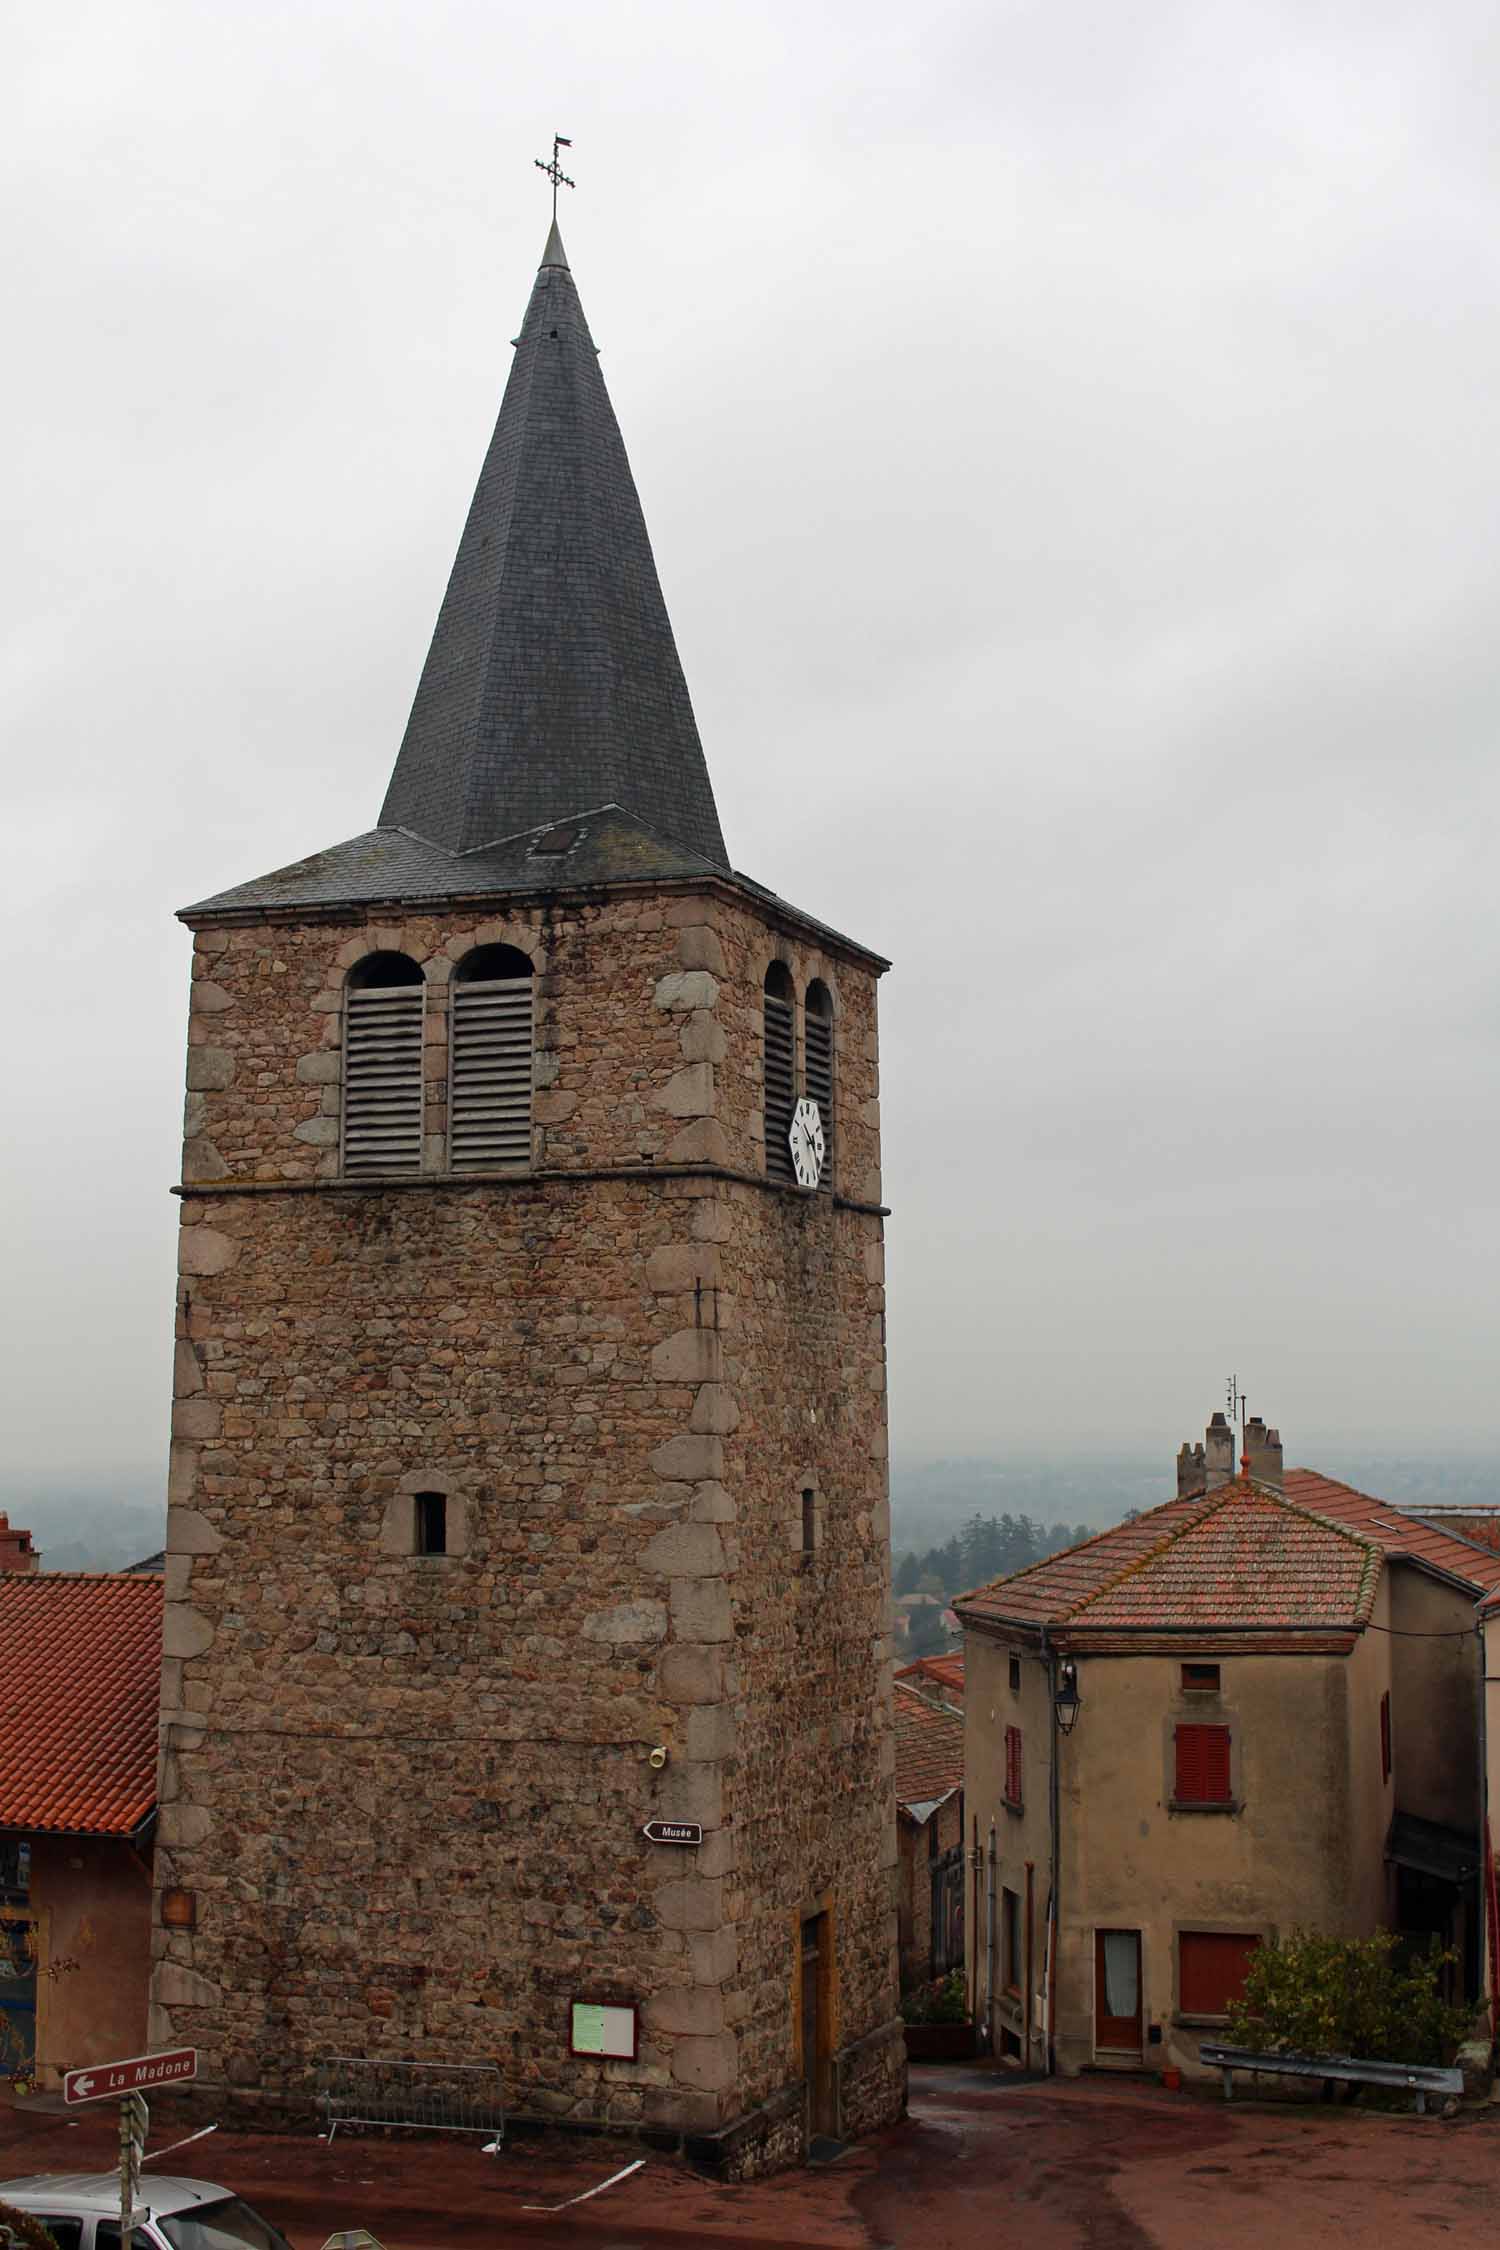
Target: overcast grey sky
1068 436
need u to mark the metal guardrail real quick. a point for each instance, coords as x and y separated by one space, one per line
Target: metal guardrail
1417 2079
417 2097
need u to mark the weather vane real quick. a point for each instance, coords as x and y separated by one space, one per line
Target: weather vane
554 170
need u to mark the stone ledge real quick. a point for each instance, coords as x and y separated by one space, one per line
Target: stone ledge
404 1183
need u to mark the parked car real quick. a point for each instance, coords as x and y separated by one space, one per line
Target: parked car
81 2211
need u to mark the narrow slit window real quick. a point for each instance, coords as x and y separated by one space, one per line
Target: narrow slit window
809 1522
383 1017
490 1070
781 1071
817 1048
431 1523
1015 1675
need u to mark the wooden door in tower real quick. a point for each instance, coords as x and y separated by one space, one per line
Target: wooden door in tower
817 2046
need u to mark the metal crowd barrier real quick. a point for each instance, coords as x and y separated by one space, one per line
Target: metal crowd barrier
417 2097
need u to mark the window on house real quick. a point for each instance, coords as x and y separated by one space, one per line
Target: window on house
1211 1966
1202 1766
817 1065
809 1521
1200 1679
1012 1965
383 1018
1385 1736
1015 1675
431 1523
490 1068
780 1070
1013 1774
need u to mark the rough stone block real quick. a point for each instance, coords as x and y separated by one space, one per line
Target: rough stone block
702 1039
712 1732
183 1823
703 1142
210 1070
185 1631
708 2064
203 1250
689 1092
688 1459
318 1132
321 1068
682 1266
177 1987
187 1375
701 1609
209 999
690 1904
696 2010
693 1355
196 1418
690 1674
687 990
629 1624
686 1550
711 1504
715 1410
698 947
176 1572
713 1955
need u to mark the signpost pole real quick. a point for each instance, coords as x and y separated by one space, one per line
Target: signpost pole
135 2120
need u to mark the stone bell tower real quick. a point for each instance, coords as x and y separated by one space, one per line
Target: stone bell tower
529 1469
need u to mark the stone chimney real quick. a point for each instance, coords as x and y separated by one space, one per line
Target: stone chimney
1263 1447
1218 1450
1190 1471
16 1550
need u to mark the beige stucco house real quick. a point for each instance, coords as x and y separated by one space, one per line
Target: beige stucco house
1252 1708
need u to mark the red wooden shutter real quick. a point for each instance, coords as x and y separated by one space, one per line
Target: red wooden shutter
1385 1736
1212 1965
1013 1765
1202 1766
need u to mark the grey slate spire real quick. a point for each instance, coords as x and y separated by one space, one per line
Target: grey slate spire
552 686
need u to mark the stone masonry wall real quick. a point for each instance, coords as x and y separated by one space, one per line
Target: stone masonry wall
407 1791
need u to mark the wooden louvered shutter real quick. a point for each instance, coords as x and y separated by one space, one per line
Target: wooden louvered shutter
383 1080
1013 1766
1202 1776
489 1116
817 1035
781 1086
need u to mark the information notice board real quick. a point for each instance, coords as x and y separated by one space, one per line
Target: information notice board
601 2027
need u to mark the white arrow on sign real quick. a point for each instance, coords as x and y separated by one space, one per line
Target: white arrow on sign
82 2088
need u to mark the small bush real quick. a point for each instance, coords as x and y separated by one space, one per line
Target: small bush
20 2228
944 2002
1374 1998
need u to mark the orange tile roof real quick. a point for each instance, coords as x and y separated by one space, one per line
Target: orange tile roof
80 1660
1400 1535
945 1673
929 1747
1242 1557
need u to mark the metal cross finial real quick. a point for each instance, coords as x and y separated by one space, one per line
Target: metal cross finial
554 170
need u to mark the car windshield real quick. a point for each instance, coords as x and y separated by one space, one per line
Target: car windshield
230 2225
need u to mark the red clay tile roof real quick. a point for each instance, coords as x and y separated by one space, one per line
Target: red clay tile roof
929 1748
1398 1534
944 1673
80 1660
1243 1556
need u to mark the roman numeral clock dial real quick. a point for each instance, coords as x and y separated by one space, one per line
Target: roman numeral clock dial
805 1139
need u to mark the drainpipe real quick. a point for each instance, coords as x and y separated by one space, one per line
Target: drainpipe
1028 1996
989 1936
1489 1935
1050 1654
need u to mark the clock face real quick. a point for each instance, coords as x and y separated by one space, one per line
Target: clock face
805 1140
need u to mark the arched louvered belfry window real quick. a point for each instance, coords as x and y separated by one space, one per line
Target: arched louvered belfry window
780 1070
383 1008
817 1065
490 1027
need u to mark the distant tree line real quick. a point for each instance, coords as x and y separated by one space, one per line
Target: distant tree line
986 1547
